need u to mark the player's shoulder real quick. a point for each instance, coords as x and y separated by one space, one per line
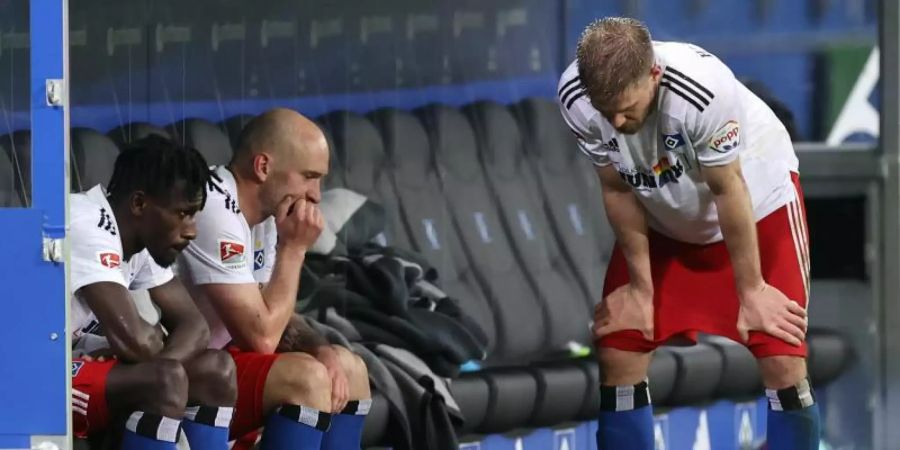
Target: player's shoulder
221 195
692 76
91 214
573 100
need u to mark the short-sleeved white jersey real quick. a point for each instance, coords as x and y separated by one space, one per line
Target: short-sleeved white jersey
97 256
226 250
704 116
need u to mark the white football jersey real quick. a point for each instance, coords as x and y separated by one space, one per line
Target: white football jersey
96 256
226 250
704 116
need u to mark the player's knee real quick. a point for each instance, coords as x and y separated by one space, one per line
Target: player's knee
215 371
622 368
356 370
780 372
309 378
170 386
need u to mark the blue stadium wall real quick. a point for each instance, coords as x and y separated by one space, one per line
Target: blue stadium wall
160 61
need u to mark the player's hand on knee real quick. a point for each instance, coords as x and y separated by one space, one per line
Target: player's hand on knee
340 385
626 308
770 311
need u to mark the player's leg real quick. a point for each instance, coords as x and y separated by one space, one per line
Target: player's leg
347 425
793 417
626 413
288 393
297 401
211 397
151 398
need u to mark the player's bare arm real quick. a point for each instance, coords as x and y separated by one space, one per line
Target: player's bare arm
299 336
630 306
188 334
257 318
763 307
130 337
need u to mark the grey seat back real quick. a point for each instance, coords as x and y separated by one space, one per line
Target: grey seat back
359 153
17 147
522 330
427 217
570 191
93 158
209 139
518 199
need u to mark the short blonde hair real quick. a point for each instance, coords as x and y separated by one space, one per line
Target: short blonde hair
613 53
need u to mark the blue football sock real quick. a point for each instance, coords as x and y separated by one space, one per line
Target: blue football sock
206 427
347 427
295 427
147 431
793 420
626 418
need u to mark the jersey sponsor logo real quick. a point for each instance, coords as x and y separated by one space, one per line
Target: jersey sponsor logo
231 253
726 138
76 367
661 174
110 260
673 141
259 259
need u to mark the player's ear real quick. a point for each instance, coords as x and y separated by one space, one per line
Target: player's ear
138 203
656 72
262 166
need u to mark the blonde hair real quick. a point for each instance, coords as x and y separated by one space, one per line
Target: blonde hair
613 53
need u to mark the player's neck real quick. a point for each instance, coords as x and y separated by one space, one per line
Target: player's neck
248 199
131 243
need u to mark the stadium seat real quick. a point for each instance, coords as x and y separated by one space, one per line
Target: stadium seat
428 219
829 355
377 421
358 153
93 158
562 387
335 177
569 190
127 133
511 399
740 373
17 147
234 125
9 196
518 199
698 373
472 393
209 139
522 331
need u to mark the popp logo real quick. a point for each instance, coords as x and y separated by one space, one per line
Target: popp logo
726 138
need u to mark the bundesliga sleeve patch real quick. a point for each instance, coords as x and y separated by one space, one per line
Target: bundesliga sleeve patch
231 254
110 260
726 138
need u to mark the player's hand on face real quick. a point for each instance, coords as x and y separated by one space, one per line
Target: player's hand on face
298 222
626 308
770 311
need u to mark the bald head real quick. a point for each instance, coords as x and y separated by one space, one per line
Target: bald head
282 133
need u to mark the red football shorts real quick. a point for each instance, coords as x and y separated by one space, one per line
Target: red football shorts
252 371
89 409
694 289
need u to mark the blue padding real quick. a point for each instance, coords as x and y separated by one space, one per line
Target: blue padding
105 117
